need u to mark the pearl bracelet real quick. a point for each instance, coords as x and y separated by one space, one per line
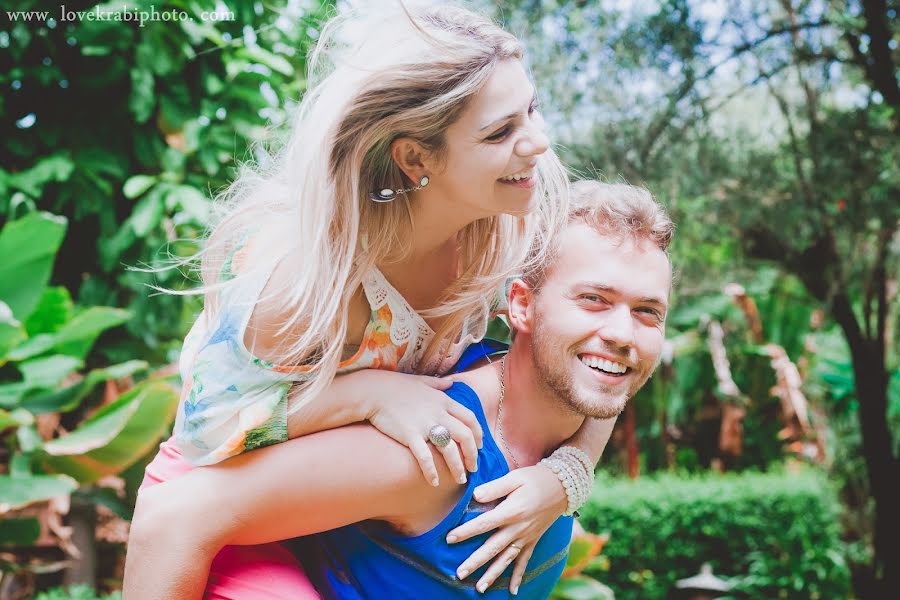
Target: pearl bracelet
579 454
575 471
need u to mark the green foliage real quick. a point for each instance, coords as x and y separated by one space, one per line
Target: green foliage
773 535
76 592
28 246
19 490
128 131
115 436
583 558
43 355
581 587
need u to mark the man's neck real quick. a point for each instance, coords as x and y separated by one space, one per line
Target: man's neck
534 421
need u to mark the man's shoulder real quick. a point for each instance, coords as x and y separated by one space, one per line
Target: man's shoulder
463 392
473 389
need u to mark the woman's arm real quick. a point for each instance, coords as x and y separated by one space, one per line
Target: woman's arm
233 404
300 487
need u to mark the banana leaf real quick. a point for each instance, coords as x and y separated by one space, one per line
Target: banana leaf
19 531
68 398
117 435
18 492
11 331
28 247
75 338
581 587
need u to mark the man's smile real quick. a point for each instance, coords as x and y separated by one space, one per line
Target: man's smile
606 370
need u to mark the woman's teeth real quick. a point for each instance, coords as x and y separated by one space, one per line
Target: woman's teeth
518 176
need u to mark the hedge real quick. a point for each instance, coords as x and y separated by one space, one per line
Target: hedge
772 535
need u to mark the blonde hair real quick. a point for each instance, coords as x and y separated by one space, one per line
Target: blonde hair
624 211
372 79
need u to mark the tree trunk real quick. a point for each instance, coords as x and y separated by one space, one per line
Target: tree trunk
631 445
83 520
882 466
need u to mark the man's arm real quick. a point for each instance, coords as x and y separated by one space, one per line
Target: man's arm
592 436
328 479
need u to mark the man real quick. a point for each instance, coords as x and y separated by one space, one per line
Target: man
589 328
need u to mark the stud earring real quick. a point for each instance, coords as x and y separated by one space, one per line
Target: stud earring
388 195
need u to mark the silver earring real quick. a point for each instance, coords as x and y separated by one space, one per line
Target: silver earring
387 194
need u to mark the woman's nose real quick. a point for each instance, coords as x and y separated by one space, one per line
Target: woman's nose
535 142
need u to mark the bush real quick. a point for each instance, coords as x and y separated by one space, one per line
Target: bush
771 535
77 592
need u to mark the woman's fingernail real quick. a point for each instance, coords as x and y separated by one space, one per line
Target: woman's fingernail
435 482
462 478
461 574
481 587
515 590
451 539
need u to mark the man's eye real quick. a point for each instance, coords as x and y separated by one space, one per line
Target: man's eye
496 137
592 298
651 311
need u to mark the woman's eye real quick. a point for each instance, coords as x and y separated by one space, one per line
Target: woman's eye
534 106
496 137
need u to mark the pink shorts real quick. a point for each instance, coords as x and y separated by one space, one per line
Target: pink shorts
264 572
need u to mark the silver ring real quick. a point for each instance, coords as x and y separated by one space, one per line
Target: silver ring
439 436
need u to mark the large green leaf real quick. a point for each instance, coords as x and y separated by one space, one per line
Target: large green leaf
76 337
19 531
28 247
7 420
116 436
16 492
11 331
48 371
68 398
54 310
581 587
12 393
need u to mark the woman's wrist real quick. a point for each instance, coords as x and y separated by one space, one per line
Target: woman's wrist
352 391
575 472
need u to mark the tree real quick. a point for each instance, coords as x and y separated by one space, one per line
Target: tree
129 128
771 128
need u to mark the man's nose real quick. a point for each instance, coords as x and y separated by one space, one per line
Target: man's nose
617 327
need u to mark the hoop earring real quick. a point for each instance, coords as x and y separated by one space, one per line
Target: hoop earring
388 195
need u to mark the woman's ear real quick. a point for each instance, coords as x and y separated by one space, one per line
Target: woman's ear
521 305
411 157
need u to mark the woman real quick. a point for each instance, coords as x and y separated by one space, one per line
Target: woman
415 180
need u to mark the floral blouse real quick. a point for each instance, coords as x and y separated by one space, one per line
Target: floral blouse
233 401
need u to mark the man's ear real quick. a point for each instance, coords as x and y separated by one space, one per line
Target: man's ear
521 307
412 158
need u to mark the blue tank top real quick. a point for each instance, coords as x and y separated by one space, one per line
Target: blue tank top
370 560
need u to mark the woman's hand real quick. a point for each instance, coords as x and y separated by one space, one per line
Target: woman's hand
535 498
406 407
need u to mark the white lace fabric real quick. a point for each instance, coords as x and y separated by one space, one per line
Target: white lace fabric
408 327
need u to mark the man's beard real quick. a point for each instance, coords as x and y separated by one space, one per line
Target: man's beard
601 401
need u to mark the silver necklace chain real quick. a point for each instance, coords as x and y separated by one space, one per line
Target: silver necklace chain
500 414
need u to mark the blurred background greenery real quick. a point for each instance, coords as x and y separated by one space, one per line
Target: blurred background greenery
766 444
